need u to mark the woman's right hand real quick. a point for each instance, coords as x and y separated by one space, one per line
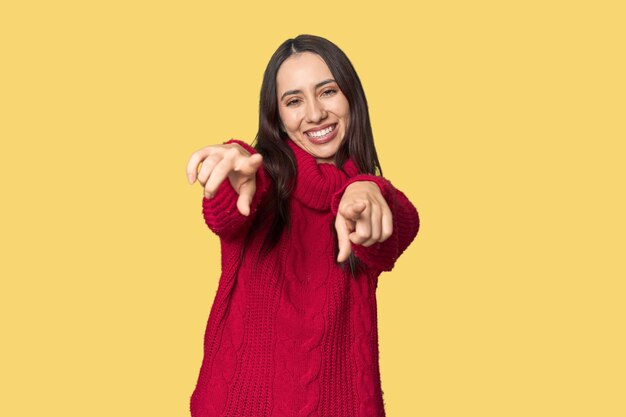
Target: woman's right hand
226 160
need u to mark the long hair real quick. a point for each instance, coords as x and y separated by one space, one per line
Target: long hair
271 142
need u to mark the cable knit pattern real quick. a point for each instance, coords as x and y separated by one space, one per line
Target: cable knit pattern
296 335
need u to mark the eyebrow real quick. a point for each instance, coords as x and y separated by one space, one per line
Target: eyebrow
318 85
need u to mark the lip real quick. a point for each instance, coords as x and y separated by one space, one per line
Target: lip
320 128
332 136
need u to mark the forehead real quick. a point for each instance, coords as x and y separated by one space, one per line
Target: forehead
301 71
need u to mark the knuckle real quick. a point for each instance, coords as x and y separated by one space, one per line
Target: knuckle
232 152
203 152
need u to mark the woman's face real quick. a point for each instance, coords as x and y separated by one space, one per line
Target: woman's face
310 102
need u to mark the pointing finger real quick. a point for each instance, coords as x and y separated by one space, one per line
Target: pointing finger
246 193
342 238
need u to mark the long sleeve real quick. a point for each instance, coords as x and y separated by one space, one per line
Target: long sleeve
383 255
220 212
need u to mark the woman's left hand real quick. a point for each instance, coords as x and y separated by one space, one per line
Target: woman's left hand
363 217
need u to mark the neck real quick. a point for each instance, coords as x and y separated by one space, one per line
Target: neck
325 160
317 180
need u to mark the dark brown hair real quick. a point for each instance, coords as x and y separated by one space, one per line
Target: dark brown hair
271 142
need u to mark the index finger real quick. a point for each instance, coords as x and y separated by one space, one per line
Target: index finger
246 194
343 240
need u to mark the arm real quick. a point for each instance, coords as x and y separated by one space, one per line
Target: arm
383 255
220 212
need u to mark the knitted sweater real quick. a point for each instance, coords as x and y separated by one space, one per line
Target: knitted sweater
297 335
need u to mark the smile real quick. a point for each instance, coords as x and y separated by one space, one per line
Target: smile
321 134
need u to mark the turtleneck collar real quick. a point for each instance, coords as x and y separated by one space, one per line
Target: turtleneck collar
317 182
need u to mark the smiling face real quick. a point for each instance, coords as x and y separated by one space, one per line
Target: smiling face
313 110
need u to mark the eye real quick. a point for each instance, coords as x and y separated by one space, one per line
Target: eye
330 90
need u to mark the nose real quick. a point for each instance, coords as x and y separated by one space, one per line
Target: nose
315 112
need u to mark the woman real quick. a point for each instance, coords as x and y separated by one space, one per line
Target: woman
306 228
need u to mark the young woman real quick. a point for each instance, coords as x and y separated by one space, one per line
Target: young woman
306 227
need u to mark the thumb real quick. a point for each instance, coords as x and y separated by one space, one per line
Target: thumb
251 164
352 211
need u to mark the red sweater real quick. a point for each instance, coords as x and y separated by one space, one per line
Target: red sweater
297 335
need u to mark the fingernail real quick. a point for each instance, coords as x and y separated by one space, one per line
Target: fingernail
190 178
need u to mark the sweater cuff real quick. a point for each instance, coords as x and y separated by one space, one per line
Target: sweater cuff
384 185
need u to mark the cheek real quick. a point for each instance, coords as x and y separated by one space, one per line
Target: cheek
291 120
342 108
284 116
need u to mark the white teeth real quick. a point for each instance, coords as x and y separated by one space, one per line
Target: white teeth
321 133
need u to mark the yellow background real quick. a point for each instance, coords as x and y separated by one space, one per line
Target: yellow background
502 121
